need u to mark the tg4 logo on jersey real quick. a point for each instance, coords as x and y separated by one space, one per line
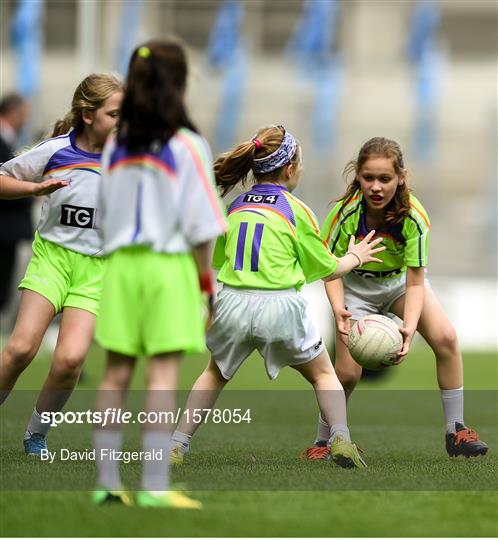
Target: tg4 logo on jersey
77 216
265 199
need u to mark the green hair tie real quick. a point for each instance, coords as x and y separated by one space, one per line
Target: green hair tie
144 52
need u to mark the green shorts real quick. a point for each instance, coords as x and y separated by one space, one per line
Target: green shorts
151 304
64 277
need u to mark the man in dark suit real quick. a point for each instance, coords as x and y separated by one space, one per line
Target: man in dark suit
15 215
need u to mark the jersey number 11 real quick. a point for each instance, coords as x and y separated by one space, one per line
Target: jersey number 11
241 244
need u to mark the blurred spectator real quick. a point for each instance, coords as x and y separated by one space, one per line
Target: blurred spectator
15 215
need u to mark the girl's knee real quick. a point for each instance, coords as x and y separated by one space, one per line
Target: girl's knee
67 362
213 370
20 352
348 375
117 379
446 342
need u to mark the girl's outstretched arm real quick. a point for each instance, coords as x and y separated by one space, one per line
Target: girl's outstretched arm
361 253
13 188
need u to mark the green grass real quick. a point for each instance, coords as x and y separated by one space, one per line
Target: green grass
235 513
249 477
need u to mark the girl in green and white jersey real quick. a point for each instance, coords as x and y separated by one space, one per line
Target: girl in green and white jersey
378 198
271 249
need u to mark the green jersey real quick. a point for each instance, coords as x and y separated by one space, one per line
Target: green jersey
406 242
273 242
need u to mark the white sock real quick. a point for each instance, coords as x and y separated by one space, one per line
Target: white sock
453 407
340 429
323 430
155 472
105 441
35 425
182 441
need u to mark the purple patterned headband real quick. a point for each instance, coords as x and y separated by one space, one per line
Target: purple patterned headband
282 155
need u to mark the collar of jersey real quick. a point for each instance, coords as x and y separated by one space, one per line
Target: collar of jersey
72 138
268 187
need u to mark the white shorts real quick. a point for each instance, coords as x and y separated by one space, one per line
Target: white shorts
276 323
372 295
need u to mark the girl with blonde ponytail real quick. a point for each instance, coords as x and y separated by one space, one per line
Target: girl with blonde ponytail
65 272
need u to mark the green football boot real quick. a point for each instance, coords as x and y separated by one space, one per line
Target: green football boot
176 456
166 499
101 495
346 454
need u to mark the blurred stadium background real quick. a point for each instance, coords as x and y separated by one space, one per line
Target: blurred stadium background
335 73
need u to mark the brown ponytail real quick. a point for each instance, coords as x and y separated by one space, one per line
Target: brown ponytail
233 167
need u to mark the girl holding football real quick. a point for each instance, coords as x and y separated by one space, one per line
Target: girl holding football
378 198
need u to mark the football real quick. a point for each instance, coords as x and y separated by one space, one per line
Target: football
374 341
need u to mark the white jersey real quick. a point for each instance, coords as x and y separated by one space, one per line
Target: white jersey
69 215
165 199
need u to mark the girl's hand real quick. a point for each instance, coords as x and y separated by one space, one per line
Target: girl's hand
48 186
407 334
366 248
342 321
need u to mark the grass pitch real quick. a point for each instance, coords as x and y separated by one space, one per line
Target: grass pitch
249 477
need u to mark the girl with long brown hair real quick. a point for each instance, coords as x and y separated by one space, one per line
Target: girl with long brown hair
378 198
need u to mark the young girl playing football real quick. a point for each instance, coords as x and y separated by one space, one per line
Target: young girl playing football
161 215
271 248
379 198
65 273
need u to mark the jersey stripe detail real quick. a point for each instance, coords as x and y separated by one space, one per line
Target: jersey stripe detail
241 245
249 208
144 161
339 232
205 180
51 139
303 206
256 245
312 221
138 213
336 217
421 214
419 239
86 166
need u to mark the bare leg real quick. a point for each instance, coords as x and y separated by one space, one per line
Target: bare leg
75 337
332 403
117 378
112 392
35 314
203 395
439 333
162 378
348 371
329 392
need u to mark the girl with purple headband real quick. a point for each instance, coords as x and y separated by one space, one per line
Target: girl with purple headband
271 249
